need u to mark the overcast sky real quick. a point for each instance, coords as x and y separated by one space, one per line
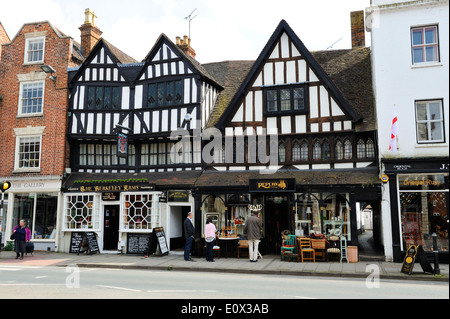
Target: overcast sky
221 30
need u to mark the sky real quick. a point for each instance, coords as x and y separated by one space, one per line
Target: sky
220 30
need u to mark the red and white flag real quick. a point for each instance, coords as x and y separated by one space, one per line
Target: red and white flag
394 132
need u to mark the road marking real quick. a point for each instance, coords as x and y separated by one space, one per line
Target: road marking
12 284
302 297
180 291
10 269
39 277
119 288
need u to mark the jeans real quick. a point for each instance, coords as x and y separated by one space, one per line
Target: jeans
209 251
187 248
253 248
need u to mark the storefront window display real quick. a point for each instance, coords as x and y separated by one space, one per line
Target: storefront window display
424 211
82 211
39 210
327 214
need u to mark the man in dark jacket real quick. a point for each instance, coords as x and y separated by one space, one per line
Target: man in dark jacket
253 229
189 232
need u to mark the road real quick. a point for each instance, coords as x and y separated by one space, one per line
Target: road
73 282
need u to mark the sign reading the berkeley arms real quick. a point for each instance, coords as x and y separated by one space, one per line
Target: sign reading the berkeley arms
112 185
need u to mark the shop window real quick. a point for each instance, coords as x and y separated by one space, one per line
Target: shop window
429 121
39 211
325 213
424 211
81 212
140 212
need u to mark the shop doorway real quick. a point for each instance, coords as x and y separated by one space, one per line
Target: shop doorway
111 227
177 215
276 211
369 232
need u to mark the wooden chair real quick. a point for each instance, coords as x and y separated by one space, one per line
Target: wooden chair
306 249
242 244
289 248
319 246
333 250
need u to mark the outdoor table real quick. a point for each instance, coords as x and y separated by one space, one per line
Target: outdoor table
227 241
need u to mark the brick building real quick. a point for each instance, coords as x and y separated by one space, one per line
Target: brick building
33 112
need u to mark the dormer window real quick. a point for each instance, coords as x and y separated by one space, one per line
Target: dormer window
282 100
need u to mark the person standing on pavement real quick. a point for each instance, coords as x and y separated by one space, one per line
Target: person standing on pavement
189 232
253 229
210 238
22 235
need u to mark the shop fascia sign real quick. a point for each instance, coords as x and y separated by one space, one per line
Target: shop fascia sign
112 185
274 185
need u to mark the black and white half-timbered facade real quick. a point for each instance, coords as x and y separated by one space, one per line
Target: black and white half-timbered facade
319 105
123 198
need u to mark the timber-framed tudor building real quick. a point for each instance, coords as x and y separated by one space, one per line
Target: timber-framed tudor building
319 105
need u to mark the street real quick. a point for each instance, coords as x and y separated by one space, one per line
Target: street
72 282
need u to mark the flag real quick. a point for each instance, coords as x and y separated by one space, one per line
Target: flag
394 132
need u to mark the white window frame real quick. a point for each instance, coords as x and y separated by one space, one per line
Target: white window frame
96 216
16 157
154 214
26 51
20 113
429 122
423 45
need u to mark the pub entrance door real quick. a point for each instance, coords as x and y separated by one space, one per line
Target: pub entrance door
111 227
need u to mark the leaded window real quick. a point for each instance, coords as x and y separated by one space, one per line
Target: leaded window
165 93
103 98
140 211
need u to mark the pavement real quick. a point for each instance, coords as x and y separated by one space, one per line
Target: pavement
268 265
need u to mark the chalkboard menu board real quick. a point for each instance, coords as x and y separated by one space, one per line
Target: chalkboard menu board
75 242
158 238
137 243
84 242
92 243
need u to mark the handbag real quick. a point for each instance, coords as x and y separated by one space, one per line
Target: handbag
12 236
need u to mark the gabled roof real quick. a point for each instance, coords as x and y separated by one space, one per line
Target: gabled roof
283 27
77 54
117 56
190 60
4 37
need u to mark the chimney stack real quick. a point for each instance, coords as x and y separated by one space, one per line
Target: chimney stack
90 33
358 32
185 45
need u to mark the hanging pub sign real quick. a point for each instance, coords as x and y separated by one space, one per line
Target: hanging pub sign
122 145
272 185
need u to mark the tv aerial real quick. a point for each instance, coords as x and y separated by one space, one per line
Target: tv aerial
190 18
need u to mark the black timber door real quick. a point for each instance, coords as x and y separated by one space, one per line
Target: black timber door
111 227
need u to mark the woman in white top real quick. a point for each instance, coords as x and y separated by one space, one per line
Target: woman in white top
210 238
